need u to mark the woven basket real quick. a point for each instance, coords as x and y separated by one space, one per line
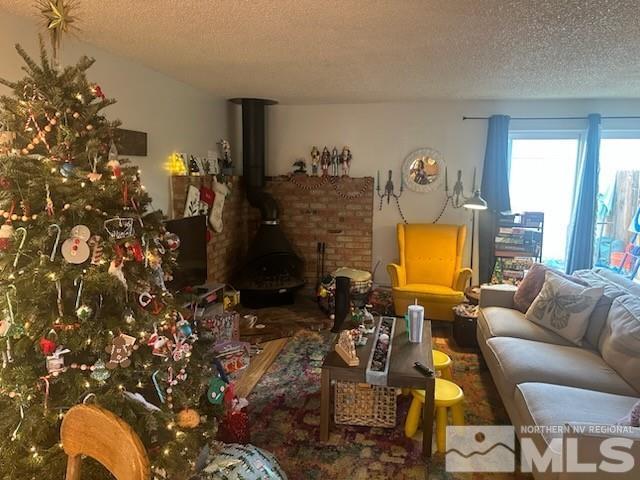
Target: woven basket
364 404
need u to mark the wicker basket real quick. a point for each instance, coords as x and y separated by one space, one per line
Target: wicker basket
364 404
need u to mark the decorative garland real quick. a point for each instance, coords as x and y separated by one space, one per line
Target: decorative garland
334 183
308 188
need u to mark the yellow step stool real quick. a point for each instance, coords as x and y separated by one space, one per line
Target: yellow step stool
442 363
448 395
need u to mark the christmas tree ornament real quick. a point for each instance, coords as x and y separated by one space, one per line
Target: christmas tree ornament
78 282
159 343
94 176
183 327
188 418
128 316
145 299
120 351
67 169
95 243
181 349
5 324
49 202
215 393
100 371
116 269
84 312
47 347
172 241
81 231
119 228
96 91
54 227
135 250
22 232
55 361
215 217
6 235
75 250
113 162
139 398
155 264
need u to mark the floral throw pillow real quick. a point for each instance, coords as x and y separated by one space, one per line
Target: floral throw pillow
564 307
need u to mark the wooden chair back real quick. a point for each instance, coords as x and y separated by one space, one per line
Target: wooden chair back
97 433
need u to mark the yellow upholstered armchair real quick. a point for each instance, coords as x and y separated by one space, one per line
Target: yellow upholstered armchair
430 269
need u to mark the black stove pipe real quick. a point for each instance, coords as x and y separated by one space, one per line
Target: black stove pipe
253 157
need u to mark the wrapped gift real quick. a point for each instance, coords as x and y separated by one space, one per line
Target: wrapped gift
233 355
220 326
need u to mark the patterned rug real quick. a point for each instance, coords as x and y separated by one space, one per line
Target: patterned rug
284 411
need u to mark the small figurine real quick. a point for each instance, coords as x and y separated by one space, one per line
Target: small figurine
225 161
334 162
345 161
315 160
301 166
325 161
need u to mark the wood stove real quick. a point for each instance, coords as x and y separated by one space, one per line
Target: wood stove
273 272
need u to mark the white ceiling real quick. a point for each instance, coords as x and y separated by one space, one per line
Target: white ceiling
316 51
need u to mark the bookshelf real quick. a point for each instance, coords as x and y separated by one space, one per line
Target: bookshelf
517 245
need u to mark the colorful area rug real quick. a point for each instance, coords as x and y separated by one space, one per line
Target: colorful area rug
284 411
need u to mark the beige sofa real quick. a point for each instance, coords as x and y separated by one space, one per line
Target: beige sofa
545 380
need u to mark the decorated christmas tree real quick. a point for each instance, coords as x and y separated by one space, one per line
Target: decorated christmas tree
85 314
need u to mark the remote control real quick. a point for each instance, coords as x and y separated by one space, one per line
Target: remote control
426 371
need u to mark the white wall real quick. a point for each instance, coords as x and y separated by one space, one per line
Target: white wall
175 116
381 135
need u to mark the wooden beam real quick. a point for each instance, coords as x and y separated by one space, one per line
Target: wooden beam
258 366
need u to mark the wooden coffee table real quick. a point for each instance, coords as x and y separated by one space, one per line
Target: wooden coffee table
401 375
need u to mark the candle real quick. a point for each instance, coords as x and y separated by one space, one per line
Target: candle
473 190
446 180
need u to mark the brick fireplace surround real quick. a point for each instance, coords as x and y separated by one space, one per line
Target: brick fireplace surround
312 210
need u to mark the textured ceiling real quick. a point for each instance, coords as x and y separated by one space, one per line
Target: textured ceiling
314 51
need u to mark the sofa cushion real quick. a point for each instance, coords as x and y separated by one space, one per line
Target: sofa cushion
527 361
548 404
629 285
601 311
507 322
532 283
564 306
620 339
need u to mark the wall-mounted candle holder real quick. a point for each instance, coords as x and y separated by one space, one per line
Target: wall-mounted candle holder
389 192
